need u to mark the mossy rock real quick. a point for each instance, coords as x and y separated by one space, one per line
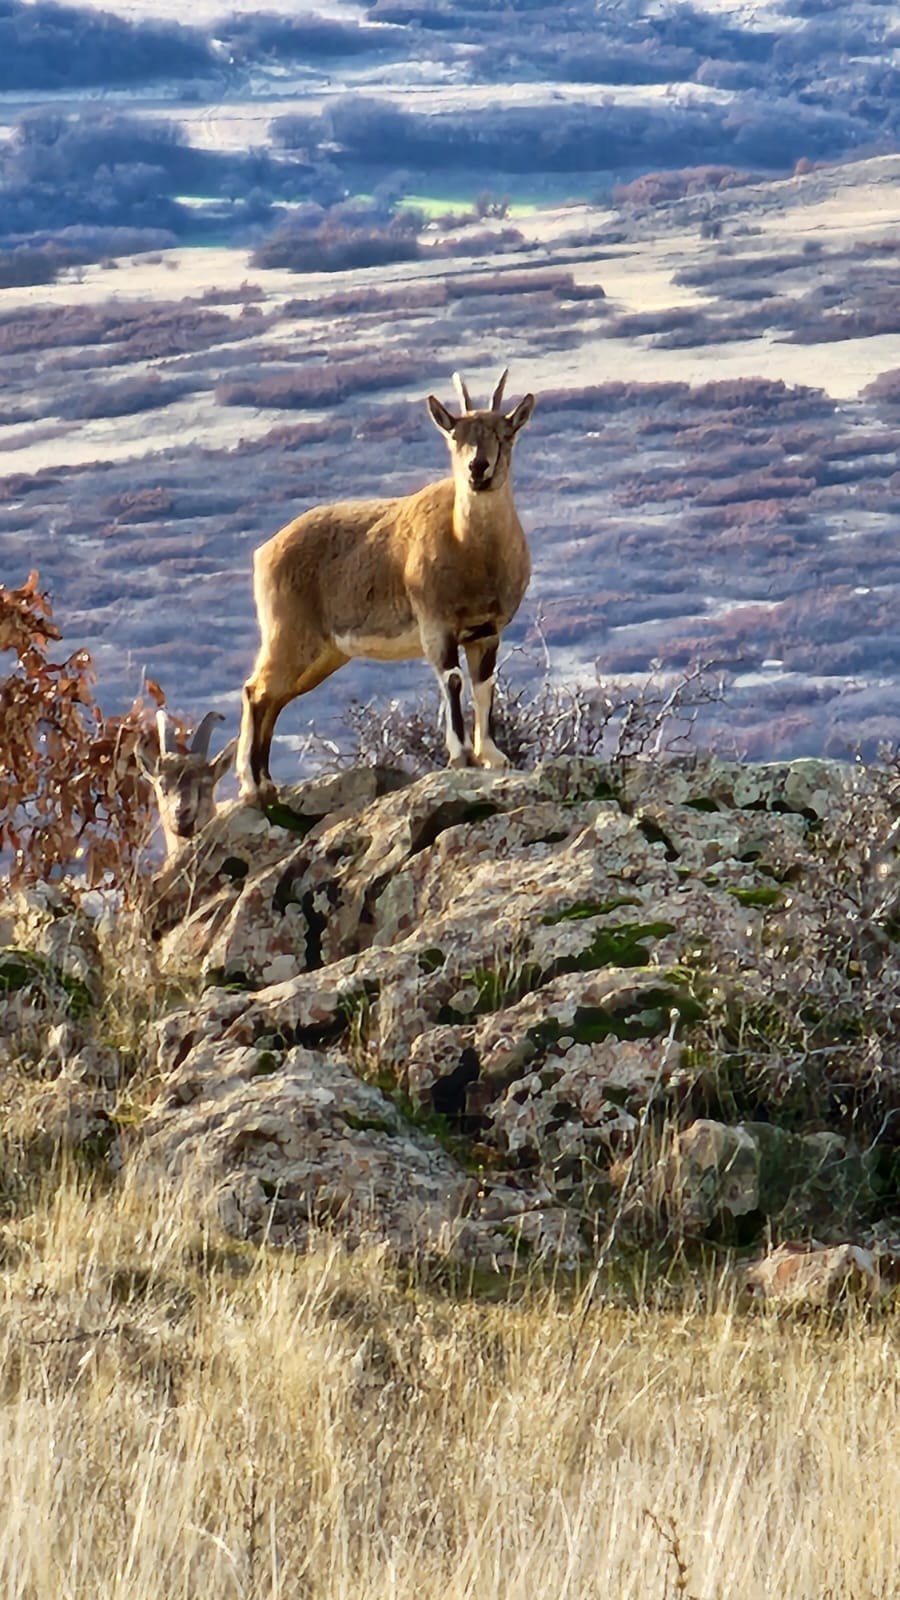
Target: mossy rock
23 970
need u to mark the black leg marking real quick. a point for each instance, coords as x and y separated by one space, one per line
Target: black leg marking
454 696
487 666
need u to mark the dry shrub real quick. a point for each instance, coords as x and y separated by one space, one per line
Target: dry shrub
320 385
126 331
334 248
653 188
617 721
559 284
557 720
885 387
360 300
70 788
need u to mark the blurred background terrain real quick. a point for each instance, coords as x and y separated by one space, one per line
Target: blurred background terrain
236 255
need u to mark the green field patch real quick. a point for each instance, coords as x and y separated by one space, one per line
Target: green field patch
434 206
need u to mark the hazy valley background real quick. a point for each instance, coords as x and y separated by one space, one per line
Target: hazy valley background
236 256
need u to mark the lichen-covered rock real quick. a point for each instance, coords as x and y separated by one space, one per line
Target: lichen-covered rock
50 964
817 1276
71 1115
48 922
719 1173
544 963
273 1144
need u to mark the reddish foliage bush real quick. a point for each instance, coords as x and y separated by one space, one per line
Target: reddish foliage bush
334 248
356 302
140 505
71 792
655 187
560 284
127 332
322 385
885 387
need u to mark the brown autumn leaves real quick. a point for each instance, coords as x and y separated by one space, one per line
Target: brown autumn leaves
71 791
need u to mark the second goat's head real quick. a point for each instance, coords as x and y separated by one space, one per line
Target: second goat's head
184 782
480 441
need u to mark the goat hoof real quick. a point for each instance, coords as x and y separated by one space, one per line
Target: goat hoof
492 758
463 758
264 794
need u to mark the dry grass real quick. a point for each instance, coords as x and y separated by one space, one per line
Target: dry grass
180 1420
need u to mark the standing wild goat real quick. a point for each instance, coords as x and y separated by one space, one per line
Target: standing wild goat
394 579
184 783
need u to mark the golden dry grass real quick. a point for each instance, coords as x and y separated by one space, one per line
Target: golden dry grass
184 1421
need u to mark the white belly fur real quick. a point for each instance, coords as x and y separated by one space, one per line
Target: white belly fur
374 647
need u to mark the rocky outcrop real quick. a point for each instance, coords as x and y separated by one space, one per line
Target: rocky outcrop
815 1276
483 1014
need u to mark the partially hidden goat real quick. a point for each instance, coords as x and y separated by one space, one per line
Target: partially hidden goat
395 579
184 783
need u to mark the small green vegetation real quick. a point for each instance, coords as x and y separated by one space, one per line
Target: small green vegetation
19 969
761 897
623 945
267 1062
437 1125
620 946
231 982
431 960
367 1124
282 816
582 909
648 1018
24 970
503 985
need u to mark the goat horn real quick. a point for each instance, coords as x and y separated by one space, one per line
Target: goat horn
497 396
462 391
166 744
202 734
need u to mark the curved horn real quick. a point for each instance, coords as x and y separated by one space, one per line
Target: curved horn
497 395
462 392
166 743
202 733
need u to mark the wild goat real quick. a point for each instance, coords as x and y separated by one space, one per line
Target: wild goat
395 579
184 784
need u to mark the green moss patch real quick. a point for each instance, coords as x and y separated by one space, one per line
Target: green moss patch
582 909
761 898
367 1124
282 816
647 1018
621 946
24 970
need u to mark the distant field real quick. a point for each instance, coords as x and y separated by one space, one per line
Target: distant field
436 206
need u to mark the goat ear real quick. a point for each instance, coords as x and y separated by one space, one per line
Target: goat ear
440 416
520 416
223 760
147 761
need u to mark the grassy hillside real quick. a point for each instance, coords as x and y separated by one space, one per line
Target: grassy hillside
180 1421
